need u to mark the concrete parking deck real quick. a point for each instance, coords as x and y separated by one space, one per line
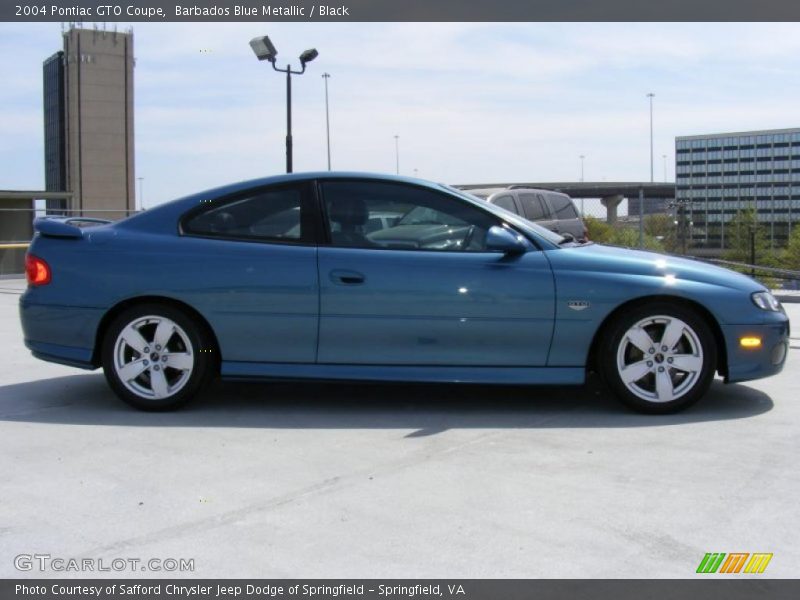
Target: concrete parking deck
312 480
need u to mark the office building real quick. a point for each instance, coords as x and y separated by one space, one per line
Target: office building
88 121
718 175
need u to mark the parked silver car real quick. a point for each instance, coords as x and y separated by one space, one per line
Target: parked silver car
553 210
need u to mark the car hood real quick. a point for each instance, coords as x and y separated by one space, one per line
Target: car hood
613 259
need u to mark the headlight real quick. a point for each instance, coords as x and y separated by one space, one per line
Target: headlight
766 301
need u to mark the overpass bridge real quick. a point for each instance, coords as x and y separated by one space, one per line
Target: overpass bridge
611 193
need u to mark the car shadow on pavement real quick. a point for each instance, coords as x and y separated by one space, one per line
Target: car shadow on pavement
85 399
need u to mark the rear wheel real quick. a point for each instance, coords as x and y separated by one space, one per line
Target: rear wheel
155 357
658 358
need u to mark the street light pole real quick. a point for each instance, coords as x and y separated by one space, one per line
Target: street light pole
288 117
651 96
397 153
265 50
327 76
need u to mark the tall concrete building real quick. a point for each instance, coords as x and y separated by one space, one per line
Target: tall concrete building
717 175
88 121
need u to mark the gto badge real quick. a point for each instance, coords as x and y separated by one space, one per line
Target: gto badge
578 304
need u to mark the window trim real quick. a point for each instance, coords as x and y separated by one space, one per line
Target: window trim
309 227
325 223
547 214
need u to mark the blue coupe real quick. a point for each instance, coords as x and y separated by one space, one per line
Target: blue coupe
349 276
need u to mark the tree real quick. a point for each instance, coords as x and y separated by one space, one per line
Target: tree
664 229
599 231
619 235
791 256
747 240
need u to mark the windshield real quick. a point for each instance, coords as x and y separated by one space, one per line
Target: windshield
538 230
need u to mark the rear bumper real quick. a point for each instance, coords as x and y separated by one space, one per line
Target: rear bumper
60 334
63 355
753 363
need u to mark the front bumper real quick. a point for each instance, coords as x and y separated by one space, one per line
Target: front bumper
753 363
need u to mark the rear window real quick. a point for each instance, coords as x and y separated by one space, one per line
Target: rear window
272 215
533 207
562 207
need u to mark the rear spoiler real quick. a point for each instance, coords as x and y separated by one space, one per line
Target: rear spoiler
65 227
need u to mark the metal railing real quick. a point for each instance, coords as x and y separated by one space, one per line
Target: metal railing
17 224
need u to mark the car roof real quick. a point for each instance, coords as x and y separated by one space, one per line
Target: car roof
289 177
490 193
487 192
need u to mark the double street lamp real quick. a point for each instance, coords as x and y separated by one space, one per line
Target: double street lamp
265 50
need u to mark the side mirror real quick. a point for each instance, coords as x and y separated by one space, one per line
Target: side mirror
499 239
568 237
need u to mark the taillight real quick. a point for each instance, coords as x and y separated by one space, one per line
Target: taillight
36 270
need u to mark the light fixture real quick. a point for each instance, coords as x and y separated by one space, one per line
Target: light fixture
308 56
264 49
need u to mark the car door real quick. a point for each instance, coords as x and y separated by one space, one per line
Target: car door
425 291
256 275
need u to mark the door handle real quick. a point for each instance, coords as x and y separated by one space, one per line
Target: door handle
345 277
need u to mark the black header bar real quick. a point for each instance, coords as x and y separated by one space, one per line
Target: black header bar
706 587
399 10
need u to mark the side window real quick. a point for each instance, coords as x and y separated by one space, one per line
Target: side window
269 215
533 207
411 218
506 202
562 206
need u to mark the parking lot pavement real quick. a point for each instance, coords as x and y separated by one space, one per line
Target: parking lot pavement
313 480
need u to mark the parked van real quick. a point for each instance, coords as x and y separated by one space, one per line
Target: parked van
553 210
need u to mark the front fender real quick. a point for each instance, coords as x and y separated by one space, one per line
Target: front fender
586 299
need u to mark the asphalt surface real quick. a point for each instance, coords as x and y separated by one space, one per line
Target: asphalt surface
312 480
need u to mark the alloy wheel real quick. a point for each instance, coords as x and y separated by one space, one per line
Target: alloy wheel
153 357
660 359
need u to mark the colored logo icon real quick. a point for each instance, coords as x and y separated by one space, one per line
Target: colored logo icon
735 562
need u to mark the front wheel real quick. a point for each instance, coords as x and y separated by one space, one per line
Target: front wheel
658 358
155 357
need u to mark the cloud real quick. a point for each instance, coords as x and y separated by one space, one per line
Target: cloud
470 102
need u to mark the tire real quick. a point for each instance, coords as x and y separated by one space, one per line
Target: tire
136 366
645 376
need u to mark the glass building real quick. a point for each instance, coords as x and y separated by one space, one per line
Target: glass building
55 158
718 175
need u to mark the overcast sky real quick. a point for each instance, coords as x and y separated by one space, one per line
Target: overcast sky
472 103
